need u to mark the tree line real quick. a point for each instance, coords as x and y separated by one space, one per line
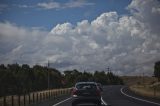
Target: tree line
22 79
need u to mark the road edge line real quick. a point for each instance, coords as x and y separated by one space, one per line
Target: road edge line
138 98
61 101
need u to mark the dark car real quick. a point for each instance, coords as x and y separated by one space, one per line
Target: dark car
86 92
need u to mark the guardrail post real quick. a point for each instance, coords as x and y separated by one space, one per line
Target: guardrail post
4 101
33 98
43 96
19 102
50 94
29 99
56 93
12 100
46 95
40 97
37 97
24 99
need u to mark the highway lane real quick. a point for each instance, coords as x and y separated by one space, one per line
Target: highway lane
114 95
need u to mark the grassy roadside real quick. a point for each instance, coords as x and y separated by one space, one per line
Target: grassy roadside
152 91
143 85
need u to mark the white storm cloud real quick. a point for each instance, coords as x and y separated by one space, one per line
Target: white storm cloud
129 44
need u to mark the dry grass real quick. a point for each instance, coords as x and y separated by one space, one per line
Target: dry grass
145 86
134 80
146 90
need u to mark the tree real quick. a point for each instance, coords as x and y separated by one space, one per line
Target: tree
157 70
100 77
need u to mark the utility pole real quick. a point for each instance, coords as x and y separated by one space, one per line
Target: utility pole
108 69
48 75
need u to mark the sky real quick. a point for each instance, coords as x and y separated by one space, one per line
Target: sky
82 34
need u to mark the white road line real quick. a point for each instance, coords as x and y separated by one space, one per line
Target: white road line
103 101
61 102
138 98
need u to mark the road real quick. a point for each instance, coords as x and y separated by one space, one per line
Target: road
114 95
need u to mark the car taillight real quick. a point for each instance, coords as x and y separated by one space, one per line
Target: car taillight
74 91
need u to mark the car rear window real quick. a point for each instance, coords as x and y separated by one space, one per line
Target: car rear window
86 86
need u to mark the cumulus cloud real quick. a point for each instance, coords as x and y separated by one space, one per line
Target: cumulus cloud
50 5
19 44
57 5
54 5
129 44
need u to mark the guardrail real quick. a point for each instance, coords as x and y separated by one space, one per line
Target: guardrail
32 98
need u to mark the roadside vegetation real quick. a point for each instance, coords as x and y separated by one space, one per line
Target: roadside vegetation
18 79
148 86
149 90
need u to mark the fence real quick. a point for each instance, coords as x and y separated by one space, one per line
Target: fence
31 98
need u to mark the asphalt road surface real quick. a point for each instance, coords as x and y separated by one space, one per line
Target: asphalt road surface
114 95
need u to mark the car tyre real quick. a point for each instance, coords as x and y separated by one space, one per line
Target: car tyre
74 104
99 103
